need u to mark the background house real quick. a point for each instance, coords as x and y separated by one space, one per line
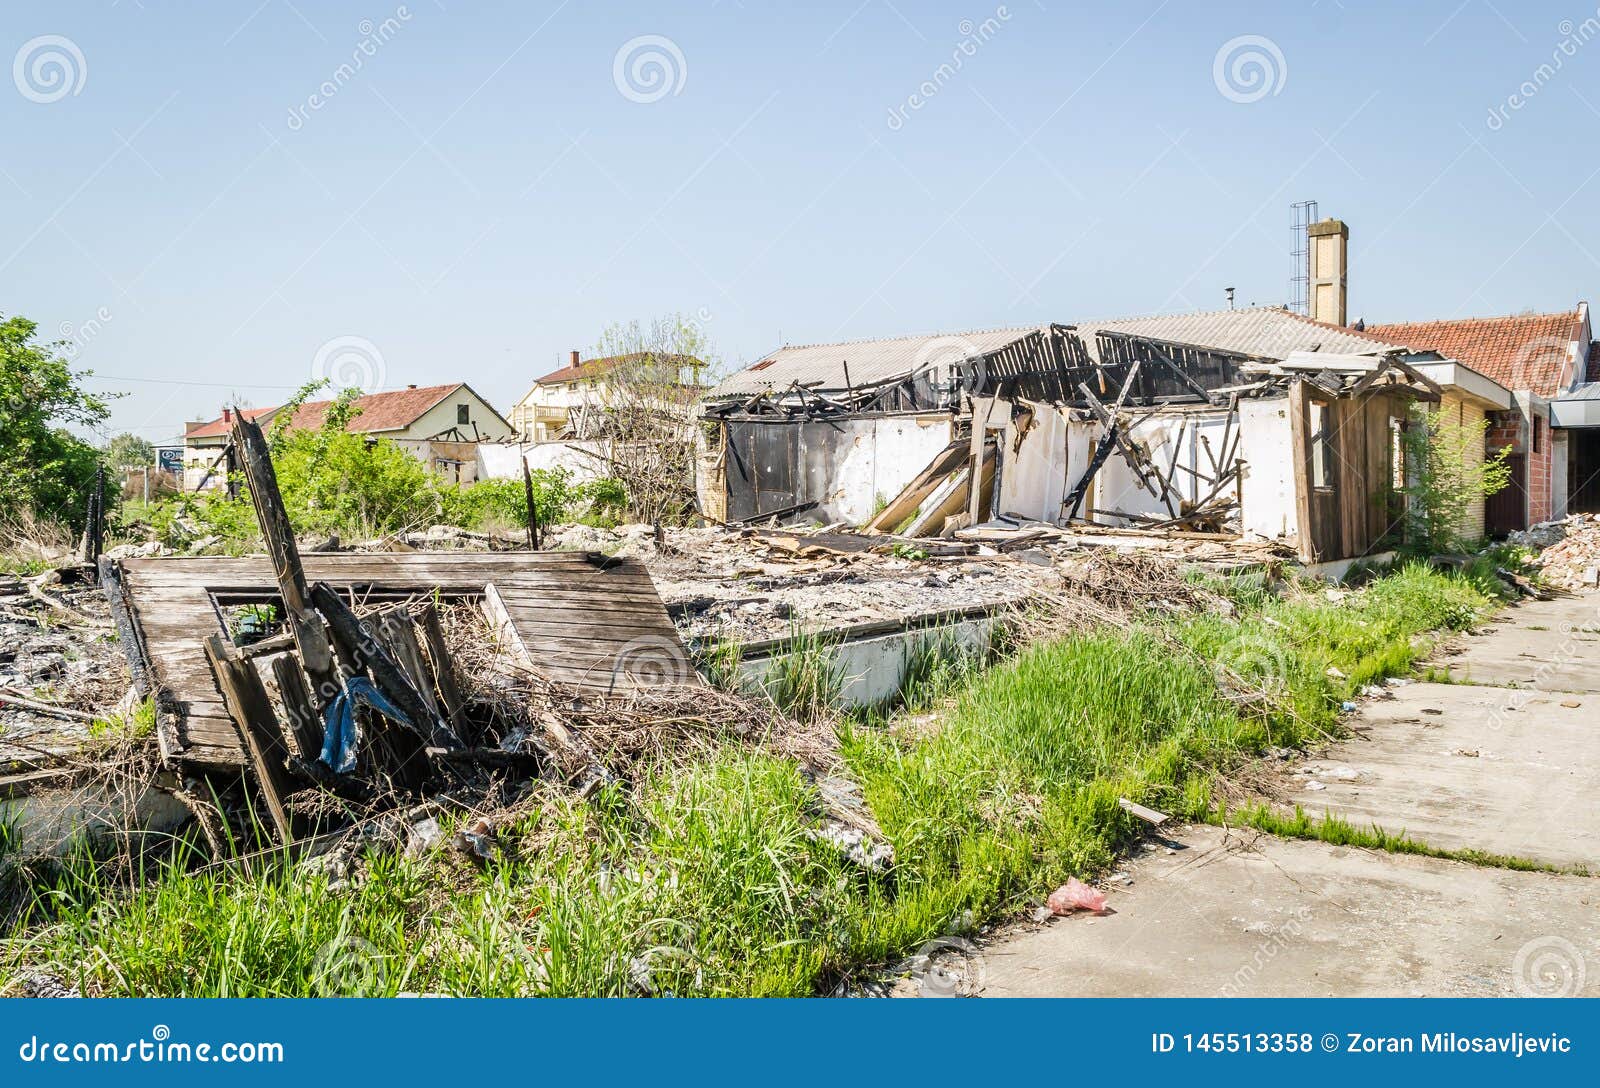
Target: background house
572 402
440 425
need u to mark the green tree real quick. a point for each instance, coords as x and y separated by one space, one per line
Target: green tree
44 468
128 450
1449 472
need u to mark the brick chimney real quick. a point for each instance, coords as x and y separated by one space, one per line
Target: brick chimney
577 359
1329 261
227 415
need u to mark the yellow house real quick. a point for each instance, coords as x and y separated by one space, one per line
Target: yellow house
1467 398
440 425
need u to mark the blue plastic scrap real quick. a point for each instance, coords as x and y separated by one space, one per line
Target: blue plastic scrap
340 742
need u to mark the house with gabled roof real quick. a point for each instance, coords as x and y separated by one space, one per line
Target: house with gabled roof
440 425
572 401
1546 361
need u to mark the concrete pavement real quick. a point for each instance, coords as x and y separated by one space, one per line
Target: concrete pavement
1466 765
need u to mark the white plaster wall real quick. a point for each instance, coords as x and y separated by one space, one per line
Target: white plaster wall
1559 453
1033 479
871 669
1266 444
442 417
1117 488
501 461
881 459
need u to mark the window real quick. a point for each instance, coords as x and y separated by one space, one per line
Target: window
463 415
1321 446
1538 431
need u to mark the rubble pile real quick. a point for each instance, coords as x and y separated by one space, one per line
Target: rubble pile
1569 550
59 666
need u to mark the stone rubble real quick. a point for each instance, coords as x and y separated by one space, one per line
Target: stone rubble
1569 550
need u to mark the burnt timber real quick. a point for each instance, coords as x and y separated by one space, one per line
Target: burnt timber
576 611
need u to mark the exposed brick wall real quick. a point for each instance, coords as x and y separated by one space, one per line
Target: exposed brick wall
1539 467
1505 429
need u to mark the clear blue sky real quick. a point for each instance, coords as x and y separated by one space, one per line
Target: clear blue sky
480 197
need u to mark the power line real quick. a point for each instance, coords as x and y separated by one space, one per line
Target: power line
176 381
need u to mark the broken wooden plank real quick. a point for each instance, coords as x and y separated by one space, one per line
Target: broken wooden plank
47 709
305 727
398 633
444 666
247 702
906 503
1148 815
580 763
368 652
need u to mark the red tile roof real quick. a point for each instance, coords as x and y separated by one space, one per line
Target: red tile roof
1521 351
219 427
391 411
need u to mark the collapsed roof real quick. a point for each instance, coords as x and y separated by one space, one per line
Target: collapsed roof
862 366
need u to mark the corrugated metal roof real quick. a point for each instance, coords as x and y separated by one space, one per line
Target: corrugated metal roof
1259 330
1264 330
1585 391
871 362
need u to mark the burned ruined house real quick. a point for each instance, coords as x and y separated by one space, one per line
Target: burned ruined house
1092 426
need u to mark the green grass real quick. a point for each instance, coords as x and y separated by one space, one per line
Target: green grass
1332 829
705 881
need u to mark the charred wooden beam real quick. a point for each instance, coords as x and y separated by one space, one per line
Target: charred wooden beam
310 635
246 699
367 652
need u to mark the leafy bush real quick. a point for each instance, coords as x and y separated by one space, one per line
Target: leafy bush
503 504
1450 474
334 481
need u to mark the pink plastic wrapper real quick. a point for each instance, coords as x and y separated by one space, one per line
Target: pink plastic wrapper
1075 895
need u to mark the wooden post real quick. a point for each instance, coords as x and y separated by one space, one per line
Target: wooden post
533 512
310 635
230 455
1300 440
248 705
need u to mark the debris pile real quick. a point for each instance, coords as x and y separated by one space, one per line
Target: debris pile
1569 550
60 670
